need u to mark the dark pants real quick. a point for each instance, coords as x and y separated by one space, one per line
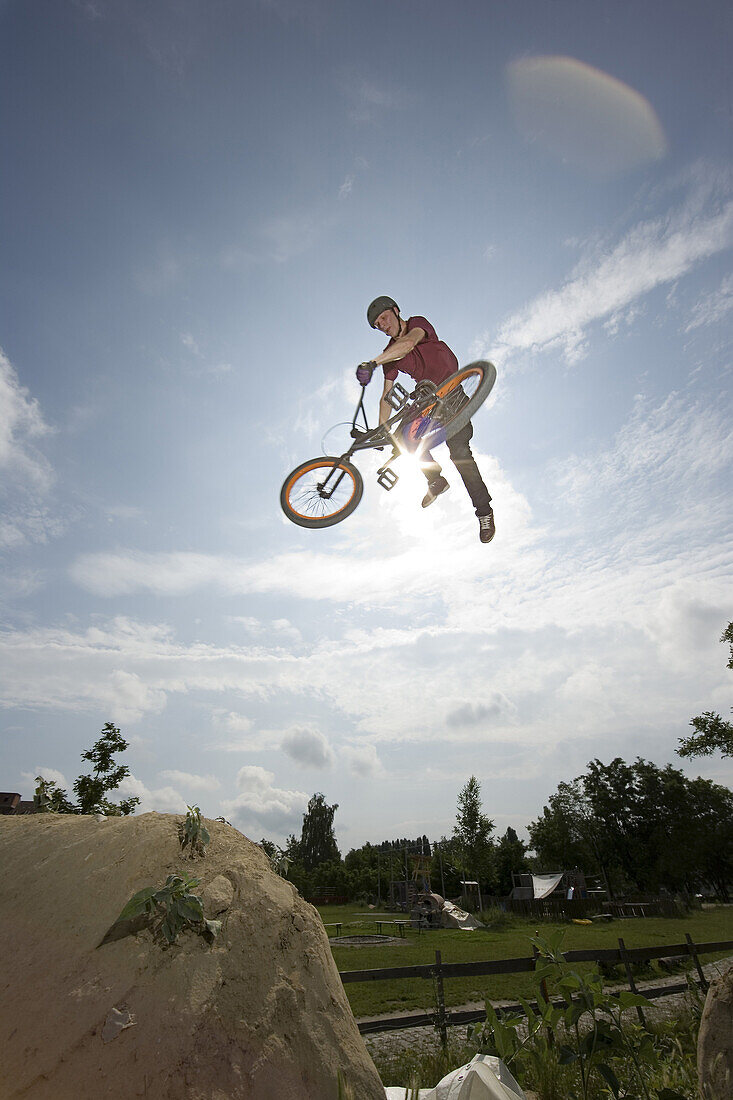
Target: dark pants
464 462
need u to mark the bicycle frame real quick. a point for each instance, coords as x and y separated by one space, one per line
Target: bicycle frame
407 407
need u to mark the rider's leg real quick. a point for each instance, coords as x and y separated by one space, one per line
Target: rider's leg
430 467
436 482
463 460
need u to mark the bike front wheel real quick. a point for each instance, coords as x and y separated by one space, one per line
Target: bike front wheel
321 492
461 395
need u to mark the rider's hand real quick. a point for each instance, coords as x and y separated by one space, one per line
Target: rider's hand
364 373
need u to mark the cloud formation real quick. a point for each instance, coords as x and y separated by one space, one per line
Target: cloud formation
613 276
307 746
262 806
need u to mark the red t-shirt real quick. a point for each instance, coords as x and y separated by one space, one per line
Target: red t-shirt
431 358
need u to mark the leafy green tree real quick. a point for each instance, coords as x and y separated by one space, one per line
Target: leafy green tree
568 834
511 859
49 798
317 840
473 831
643 827
91 790
712 733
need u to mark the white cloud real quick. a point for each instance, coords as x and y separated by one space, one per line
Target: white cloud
616 275
21 422
480 713
307 746
162 800
261 806
192 782
714 307
51 774
346 187
25 474
362 760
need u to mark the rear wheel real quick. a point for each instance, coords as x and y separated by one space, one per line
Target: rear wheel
321 492
461 395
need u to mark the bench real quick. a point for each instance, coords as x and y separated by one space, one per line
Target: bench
336 925
400 925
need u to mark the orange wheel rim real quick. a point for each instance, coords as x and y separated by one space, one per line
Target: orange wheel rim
308 469
457 380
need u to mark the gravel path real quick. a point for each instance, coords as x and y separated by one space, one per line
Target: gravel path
389 1043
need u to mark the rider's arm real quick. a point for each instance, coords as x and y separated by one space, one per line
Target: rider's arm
385 410
402 346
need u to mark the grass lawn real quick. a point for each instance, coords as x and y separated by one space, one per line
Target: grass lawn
511 941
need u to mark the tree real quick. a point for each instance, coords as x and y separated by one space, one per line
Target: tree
712 733
511 859
643 827
91 789
49 798
107 776
568 834
317 842
473 831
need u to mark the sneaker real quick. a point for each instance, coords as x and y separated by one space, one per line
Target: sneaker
435 488
486 527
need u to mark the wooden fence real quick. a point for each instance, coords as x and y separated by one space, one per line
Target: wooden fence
439 971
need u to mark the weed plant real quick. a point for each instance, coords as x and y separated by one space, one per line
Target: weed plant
166 911
193 834
579 1046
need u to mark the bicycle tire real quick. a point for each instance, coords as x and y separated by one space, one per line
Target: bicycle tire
448 423
304 504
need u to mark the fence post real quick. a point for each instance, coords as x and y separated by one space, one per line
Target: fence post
696 959
630 978
440 1020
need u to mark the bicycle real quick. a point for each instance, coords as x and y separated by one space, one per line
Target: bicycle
325 490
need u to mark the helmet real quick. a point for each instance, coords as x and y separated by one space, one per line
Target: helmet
378 306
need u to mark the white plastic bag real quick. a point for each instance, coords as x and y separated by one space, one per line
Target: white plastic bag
483 1078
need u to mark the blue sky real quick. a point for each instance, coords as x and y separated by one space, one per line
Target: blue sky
198 202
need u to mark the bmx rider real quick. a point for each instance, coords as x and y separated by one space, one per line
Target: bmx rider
415 349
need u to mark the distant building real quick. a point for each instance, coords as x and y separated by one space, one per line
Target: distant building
12 803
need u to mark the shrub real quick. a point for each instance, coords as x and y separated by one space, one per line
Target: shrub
192 832
167 911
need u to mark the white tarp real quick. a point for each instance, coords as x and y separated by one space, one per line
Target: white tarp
544 884
484 1078
453 917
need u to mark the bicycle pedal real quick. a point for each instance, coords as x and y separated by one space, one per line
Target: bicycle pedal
387 478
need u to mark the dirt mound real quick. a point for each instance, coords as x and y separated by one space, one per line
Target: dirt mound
260 1014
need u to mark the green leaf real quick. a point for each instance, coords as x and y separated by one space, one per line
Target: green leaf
566 1055
573 1014
544 971
670 1094
140 902
190 908
610 1078
570 981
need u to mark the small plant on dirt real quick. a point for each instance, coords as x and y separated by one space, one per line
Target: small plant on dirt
167 911
193 834
280 862
583 1031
